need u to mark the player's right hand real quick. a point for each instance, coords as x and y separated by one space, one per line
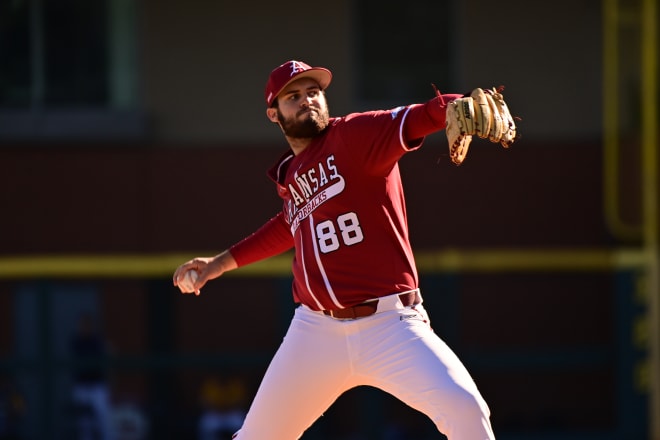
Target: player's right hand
207 268
199 265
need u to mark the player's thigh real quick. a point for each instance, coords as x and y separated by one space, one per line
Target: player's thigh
306 375
418 367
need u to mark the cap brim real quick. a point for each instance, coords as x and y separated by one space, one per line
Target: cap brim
322 76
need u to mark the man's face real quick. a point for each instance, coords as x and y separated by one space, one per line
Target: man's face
302 110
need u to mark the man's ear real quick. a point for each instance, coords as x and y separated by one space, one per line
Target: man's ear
271 113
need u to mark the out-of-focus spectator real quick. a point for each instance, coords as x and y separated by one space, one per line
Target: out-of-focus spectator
91 391
12 408
222 408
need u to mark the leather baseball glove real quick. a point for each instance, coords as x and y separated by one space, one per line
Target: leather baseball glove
482 113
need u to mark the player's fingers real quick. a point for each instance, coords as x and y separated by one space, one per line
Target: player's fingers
181 270
175 278
177 274
201 266
202 278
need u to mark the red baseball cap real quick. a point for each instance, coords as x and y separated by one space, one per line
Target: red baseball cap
283 75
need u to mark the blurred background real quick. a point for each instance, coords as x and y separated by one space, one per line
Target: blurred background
133 137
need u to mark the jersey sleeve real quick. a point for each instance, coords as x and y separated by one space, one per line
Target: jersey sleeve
374 139
273 238
378 139
424 119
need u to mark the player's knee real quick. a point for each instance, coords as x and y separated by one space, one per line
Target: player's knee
464 416
469 404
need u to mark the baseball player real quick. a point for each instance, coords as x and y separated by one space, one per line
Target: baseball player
359 318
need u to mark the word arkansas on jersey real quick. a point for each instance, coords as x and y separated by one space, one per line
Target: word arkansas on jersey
311 189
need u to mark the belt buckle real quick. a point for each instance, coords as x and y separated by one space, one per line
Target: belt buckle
351 313
333 315
345 318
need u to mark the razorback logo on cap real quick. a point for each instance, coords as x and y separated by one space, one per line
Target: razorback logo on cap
297 67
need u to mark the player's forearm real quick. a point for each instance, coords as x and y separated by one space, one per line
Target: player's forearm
223 262
273 238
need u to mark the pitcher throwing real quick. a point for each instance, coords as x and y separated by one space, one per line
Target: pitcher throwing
359 318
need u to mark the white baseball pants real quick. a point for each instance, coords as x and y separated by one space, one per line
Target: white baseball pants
394 350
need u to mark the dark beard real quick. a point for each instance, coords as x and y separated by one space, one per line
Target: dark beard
311 126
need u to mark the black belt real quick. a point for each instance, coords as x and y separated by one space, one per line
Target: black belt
369 308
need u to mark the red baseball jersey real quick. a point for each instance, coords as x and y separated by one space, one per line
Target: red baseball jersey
345 208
